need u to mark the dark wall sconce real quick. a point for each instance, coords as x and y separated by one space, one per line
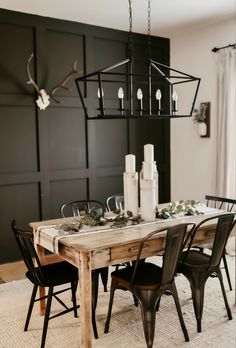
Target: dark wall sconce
202 118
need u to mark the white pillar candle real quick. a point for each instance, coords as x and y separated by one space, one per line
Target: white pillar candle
131 192
147 200
148 153
148 170
156 179
130 164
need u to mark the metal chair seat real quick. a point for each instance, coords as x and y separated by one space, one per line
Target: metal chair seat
153 274
195 259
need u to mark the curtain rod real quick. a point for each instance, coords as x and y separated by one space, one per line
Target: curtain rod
215 49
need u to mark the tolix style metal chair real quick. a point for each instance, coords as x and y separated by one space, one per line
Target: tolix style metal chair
197 266
47 276
115 202
75 209
148 282
228 205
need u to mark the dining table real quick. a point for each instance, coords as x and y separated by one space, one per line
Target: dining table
94 247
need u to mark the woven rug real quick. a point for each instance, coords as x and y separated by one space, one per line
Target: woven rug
126 327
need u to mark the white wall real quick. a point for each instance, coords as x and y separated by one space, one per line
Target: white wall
192 157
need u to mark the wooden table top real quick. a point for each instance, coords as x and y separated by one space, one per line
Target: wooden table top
106 237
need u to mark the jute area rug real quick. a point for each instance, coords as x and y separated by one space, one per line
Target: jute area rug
126 327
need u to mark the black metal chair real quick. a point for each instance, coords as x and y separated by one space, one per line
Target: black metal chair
229 205
197 266
148 282
75 209
47 276
115 202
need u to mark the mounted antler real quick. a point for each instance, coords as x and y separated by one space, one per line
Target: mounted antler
62 84
43 100
43 97
31 81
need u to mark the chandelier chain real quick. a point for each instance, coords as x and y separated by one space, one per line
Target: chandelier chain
130 42
149 28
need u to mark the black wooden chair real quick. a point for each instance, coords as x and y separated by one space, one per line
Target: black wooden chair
115 202
229 205
197 266
47 276
148 282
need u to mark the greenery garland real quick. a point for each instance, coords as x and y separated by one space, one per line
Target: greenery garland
95 217
188 207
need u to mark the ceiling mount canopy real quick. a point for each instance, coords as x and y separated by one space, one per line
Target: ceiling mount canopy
123 90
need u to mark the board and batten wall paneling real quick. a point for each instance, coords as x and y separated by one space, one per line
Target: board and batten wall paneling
55 156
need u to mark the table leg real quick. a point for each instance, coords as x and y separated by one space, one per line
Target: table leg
85 299
42 303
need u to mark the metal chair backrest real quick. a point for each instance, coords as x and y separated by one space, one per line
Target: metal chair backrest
175 237
25 243
115 202
221 203
75 208
225 224
174 244
224 227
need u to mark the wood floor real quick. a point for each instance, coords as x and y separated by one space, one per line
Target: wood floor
12 271
16 270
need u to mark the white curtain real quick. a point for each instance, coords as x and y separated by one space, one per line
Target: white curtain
226 123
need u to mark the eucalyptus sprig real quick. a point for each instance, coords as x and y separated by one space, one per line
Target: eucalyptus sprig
185 207
93 217
121 219
69 228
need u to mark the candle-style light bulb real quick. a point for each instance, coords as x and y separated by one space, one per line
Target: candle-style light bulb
121 98
100 96
158 98
174 100
99 93
140 98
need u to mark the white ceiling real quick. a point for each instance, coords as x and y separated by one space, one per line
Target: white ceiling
168 17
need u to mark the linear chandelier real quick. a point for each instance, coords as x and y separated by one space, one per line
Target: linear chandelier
124 92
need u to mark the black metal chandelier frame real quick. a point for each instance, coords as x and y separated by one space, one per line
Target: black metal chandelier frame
131 107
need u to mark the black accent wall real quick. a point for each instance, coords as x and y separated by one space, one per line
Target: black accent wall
55 156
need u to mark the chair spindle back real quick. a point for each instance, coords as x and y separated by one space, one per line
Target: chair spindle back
25 243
